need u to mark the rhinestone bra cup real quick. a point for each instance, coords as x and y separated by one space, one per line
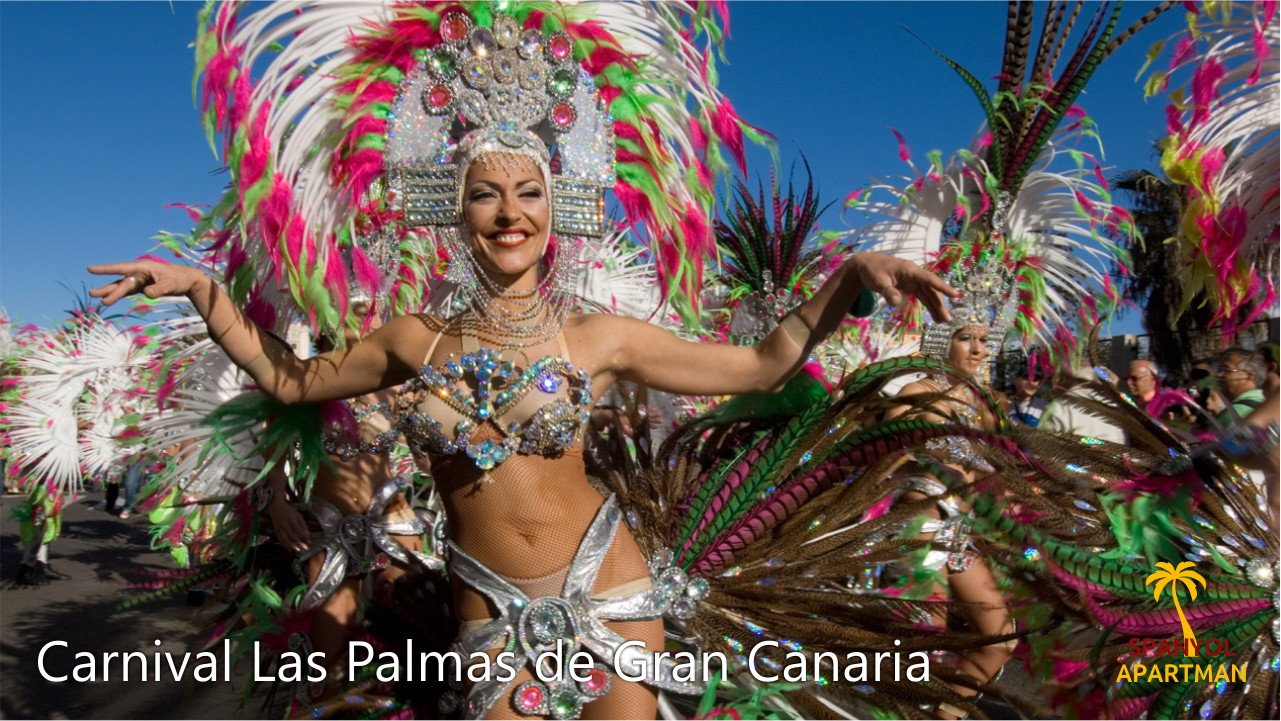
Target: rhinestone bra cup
338 442
498 387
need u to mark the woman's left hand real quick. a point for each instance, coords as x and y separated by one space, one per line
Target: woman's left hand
893 277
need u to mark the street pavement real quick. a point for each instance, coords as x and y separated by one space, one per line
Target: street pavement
101 553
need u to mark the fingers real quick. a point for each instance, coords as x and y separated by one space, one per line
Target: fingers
293 541
936 305
941 285
935 293
930 289
893 277
884 284
292 532
113 292
113 268
300 533
132 282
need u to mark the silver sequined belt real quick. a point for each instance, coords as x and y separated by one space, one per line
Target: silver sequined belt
356 543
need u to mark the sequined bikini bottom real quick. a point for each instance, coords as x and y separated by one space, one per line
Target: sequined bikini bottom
531 628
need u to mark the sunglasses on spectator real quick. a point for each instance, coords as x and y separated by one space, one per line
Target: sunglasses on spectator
1225 370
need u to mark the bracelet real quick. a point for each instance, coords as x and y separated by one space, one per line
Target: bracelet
796 329
956 711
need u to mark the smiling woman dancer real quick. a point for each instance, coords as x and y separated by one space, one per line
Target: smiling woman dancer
498 408
496 395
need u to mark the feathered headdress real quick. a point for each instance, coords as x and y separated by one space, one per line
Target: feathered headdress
76 387
772 259
359 109
1025 240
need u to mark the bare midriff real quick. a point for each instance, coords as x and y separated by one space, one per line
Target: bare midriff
350 485
526 521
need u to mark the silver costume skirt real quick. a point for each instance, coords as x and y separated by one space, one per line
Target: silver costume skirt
532 628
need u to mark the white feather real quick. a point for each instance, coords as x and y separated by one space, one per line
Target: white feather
619 277
1245 123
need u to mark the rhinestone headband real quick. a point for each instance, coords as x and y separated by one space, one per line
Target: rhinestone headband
499 90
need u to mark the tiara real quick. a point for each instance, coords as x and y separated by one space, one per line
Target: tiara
485 90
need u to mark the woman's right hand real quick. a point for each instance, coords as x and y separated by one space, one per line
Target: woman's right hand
151 278
291 527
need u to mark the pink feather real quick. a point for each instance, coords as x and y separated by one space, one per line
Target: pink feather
1167 398
903 153
193 211
366 273
1173 120
361 169
254 162
1205 89
695 230
604 56
294 242
880 508
697 135
725 123
261 312
242 91
593 30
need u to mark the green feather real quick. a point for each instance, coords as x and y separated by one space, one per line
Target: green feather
993 119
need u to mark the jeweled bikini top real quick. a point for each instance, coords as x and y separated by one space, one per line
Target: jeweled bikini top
536 410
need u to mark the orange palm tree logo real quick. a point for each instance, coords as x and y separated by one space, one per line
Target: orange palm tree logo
1169 575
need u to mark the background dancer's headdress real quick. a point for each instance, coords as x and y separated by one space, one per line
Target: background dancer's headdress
359 126
1221 149
986 281
772 259
1026 240
78 386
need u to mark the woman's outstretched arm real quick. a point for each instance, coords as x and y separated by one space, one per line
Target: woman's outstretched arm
647 354
370 365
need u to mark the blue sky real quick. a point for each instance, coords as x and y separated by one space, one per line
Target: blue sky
98 130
